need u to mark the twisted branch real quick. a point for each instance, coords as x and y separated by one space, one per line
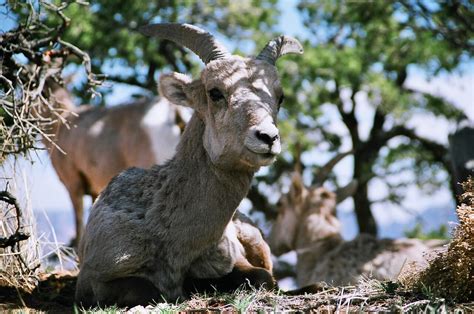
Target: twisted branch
26 106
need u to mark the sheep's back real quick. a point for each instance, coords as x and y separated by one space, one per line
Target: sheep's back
116 224
367 257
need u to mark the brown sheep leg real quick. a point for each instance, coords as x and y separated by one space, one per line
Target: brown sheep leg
257 253
78 204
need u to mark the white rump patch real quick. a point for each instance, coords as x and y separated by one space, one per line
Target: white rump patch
97 128
159 124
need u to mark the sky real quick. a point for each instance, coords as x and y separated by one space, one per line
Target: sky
47 194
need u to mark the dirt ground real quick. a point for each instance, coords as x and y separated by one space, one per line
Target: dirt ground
55 294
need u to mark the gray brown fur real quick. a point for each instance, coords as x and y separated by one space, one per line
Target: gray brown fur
162 224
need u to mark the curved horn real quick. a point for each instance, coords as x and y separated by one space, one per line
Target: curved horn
278 47
202 43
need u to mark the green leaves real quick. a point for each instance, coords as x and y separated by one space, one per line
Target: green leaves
108 31
359 53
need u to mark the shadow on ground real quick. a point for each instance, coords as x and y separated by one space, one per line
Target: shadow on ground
54 294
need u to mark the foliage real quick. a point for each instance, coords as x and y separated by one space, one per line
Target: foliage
357 58
418 233
108 31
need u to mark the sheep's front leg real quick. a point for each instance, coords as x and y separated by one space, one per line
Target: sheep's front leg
169 281
219 259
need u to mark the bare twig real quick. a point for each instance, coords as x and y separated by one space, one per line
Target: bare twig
27 107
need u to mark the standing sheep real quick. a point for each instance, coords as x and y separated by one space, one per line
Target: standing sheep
151 229
100 142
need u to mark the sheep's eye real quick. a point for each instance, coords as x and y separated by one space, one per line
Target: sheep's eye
215 94
280 100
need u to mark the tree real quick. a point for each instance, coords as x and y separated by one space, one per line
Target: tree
366 50
31 53
355 50
108 31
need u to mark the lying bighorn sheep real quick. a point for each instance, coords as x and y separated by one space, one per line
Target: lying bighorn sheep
101 142
152 142
150 229
307 223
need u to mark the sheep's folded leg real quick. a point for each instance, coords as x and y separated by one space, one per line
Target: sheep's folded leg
243 275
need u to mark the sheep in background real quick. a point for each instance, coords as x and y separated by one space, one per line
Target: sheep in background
307 223
100 142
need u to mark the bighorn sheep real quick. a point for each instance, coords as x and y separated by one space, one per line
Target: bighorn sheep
100 142
150 229
156 137
307 223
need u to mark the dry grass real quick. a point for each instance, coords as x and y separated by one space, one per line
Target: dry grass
368 296
450 275
27 255
20 261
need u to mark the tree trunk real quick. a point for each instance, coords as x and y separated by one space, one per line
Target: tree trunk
365 219
363 162
462 156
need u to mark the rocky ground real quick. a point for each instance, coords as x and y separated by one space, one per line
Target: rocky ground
55 294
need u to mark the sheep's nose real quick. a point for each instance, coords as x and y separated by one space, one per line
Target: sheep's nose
266 137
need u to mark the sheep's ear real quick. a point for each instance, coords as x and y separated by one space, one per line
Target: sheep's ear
176 88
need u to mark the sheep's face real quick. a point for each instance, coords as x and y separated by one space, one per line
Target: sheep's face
304 216
238 99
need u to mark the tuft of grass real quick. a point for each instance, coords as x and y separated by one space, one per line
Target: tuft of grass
19 262
99 310
450 274
241 300
390 287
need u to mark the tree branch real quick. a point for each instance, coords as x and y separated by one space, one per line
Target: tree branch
439 152
377 124
17 236
348 118
131 80
260 203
